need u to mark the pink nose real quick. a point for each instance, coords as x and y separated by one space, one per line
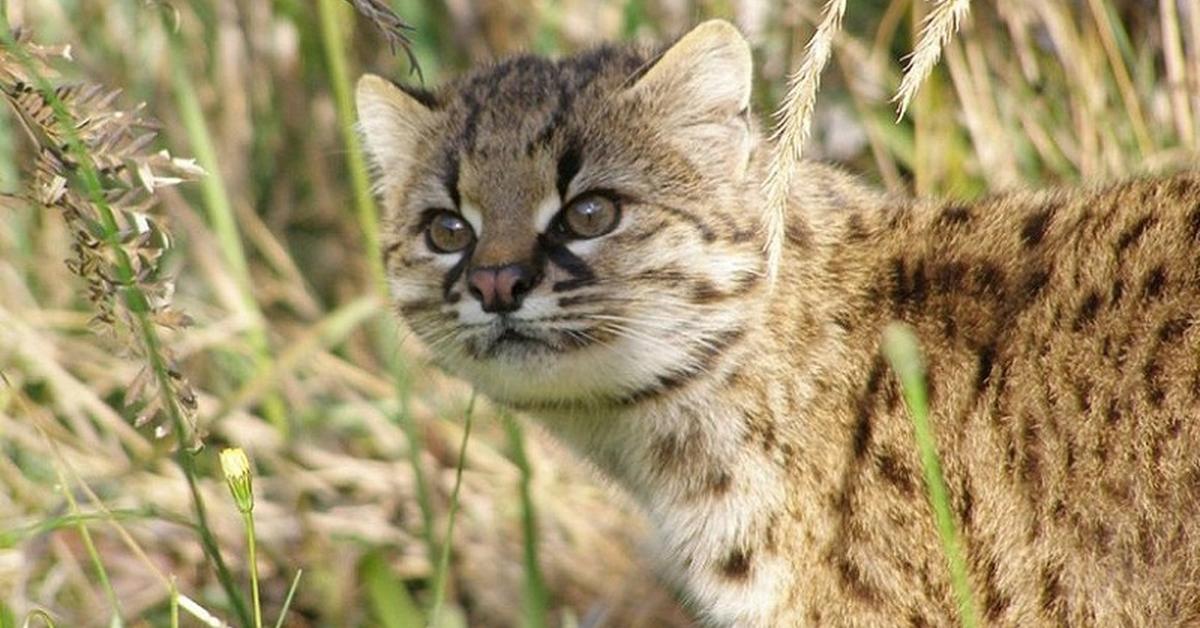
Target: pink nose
500 289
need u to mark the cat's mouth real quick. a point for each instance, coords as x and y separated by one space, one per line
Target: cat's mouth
506 338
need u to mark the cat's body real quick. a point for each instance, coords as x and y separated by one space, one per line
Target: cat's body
758 425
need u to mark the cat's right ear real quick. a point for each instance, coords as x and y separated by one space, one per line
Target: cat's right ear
704 77
391 121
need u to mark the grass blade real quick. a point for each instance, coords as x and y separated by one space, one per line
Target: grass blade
391 604
443 565
535 598
900 347
287 601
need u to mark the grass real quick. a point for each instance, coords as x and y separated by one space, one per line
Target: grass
902 351
276 339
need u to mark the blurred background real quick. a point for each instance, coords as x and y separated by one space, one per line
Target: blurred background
270 332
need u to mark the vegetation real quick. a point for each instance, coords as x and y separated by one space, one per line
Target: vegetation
236 301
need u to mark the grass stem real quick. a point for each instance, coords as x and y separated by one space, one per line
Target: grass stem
900 347
136 302
221 214
535 598
252 551
443 565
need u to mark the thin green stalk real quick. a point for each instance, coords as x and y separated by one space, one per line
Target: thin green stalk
385 333
93 555
220 212
533 590
368 219
174 604
287 601
900 347
251 549
443 565
136 301
360 181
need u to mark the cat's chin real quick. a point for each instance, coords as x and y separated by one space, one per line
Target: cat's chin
532 373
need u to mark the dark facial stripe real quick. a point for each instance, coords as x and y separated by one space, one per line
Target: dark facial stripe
568 166
679 378
706 231
390 250
562 257
450 179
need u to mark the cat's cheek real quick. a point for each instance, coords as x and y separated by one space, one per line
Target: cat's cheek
406 289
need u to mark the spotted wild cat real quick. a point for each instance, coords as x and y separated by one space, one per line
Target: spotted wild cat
580 239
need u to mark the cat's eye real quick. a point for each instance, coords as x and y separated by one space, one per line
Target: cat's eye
448 233
589 216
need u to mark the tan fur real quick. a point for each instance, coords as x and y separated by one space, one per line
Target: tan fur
761 430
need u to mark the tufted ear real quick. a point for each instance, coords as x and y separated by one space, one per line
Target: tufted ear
391 122
704 78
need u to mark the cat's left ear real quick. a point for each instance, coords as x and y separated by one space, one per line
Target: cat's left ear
704 78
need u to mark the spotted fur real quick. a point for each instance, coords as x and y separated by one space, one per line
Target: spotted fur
761 429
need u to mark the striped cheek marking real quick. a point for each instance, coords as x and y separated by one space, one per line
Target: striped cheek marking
545 212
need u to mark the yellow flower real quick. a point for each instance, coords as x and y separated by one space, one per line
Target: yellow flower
236 467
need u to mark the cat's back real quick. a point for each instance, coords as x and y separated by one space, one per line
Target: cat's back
1062 335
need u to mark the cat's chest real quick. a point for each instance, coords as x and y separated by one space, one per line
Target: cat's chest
716 498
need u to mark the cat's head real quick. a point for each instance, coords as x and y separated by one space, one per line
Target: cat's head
582 229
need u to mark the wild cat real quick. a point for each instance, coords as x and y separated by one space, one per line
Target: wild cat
580 239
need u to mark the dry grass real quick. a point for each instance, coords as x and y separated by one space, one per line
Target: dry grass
291 355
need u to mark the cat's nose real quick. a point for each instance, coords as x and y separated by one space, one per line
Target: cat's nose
501 289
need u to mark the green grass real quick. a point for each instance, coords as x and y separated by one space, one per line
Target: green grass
902 351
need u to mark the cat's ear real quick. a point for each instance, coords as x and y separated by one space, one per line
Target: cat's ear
391 122
705 77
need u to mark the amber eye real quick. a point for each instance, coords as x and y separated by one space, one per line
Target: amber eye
448 233
590 216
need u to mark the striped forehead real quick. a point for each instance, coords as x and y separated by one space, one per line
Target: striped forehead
526 101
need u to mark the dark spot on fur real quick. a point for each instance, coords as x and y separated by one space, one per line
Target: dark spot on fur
1194 223
852 579
1171 331
1130 236
949 276
719 483
1118 291
1034 228
1151 372
986 359
989 279
995 602
845 320
703 291
955 215
855 230
966 508
1052 594
1033 285
737 565
1155 281
1112 414
895 472
866 402
1087 311
1083 394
